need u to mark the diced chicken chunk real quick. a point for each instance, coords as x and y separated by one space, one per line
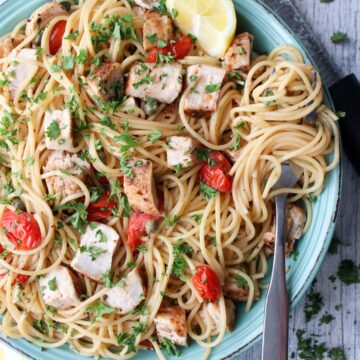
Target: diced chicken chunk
171 324
42 16
95 254
238 54
58 130
295 222
232 289
21 73
205 83
156 27
147 4
181 151
140 187
213 311
62 160
60 288
6 47
127 294
160 82
106 83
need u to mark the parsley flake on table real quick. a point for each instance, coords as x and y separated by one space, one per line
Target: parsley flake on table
93 251
333 248
326 318
348 272
313 305
339 37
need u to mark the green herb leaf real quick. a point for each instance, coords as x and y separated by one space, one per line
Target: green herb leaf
207 191
53 131
339 37
155 135
171 348
125 339
79 219
212 88
240 281
348 272
100 309
94 251
313 305
52 284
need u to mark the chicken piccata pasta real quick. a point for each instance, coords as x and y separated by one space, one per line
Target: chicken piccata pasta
137 173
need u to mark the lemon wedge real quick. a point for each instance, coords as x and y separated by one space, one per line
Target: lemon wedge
213 22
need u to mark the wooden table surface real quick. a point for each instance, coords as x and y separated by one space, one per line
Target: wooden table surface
344 331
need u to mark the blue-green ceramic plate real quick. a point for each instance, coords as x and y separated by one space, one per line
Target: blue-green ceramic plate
269 31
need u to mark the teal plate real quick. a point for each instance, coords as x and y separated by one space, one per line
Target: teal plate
269 32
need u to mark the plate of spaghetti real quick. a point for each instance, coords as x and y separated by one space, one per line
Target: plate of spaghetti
140 142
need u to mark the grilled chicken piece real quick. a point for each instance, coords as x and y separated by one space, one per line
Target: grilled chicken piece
205 83
295 223
62 160
156 27
21 73
60 288
127 294
239 53
162 83
213 311
107 83
147 4
181 151
6 47
42 16
95 254
140 187
58 130
233 291
171 324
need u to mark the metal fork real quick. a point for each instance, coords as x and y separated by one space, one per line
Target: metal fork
276 324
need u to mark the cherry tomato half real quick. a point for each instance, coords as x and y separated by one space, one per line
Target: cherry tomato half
207 283
179 49
21 279
215 173
101 209
21 229
137 228
56 36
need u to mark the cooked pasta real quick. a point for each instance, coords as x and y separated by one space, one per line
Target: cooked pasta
268 112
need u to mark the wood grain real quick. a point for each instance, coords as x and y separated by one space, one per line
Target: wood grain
344 331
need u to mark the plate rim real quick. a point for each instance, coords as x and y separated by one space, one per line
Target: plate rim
321 256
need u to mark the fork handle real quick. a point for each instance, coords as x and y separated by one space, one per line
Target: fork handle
276 324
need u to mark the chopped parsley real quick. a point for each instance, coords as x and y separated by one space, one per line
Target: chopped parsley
126 168
106 278
240 281
203 154
177 168
72 35
180 264
53 131
211 88
313 305
125 339
93 251
127 140
235 145
125 206
147 79
52 284
68 63
41 325
169 222
79 218
155 135
333 248
348 272
197 217
341 114
308 348
171 348
339 37
326 319
207 191
100 309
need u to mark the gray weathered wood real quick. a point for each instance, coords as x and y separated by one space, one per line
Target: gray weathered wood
344 331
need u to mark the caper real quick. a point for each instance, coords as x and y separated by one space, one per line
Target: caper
18 204
151 227
149 105
37 40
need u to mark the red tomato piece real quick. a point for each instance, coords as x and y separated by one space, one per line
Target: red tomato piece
21 279
137 228
147 343
56 36
207 283
101 209
21 229
179 49
215 174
